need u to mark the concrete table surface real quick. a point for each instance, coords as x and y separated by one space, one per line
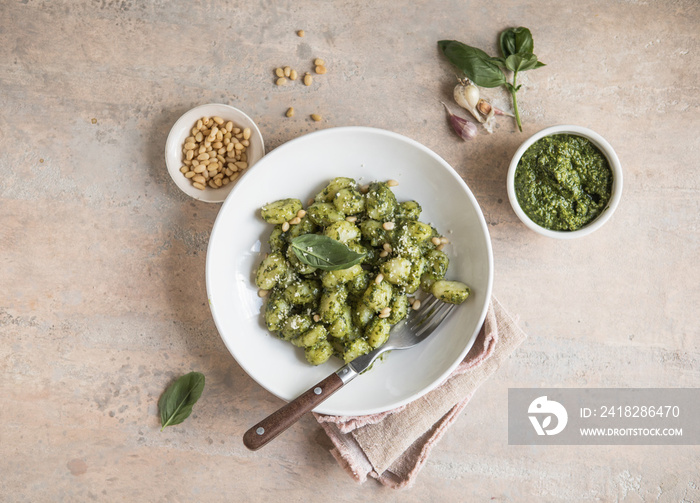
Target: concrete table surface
103 301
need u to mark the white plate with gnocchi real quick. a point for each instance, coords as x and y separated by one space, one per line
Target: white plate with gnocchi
300 169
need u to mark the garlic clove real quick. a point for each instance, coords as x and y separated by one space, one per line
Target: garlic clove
464 128
464 96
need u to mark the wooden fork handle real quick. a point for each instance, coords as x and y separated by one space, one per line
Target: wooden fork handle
279 421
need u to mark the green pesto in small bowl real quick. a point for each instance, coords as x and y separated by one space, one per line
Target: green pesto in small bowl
563 182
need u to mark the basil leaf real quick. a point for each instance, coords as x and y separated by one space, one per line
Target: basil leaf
507 42
516 40
323 252
175 405
520 62
478 66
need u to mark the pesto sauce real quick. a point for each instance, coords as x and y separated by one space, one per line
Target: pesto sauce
563 182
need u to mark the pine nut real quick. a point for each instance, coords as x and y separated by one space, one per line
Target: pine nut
293 75
190 174
241 165
301 33
281 81
379 278
263 293
218 120
384 253
285 227
184 169
295 221
199 136
392 183
436 241
444 240
320 69
351 219
319 62
287 71
199 178
198 185
316 117
387 226
199 124
189 146
229 126
189 155
386 247
441 247
416 305
290 112
199 169
308 79
279 72
246 133
317 318
218 182
364 189
301 213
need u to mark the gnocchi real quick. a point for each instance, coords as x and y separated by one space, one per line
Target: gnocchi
348 312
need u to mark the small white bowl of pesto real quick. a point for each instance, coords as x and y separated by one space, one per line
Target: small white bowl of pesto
565 182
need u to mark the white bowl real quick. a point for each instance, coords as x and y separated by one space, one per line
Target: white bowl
300 168
181 130
616 192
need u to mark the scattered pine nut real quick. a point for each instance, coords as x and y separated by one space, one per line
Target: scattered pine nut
351 219
319 62
198 185
436 241
308 79
285 227
281 81
379 278
287 71
301 213
416 305
387 247
320 69
301 33
263 293
295 221
317 318
444 241
316 117
392 183
440 248
387 226
364 188
384 253
279 72
293 74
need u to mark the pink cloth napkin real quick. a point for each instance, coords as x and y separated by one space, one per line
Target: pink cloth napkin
393 446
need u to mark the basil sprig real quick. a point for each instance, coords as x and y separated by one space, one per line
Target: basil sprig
175 405
323 252
517 48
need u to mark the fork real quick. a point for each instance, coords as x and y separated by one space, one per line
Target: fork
416 328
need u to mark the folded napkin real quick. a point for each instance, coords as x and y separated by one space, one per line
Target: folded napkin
393 446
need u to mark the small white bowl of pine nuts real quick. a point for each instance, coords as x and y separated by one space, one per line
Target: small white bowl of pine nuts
209 148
